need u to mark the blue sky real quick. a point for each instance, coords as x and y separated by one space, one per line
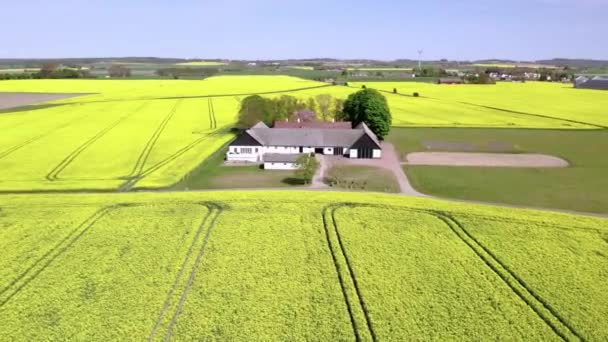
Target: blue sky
273 29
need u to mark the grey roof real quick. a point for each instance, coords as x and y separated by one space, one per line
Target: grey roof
600 83
260 125
312 137
369 132
281 158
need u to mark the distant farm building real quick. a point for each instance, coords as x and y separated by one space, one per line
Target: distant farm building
450 80
279 147
597 83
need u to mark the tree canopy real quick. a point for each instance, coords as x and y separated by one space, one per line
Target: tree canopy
369 106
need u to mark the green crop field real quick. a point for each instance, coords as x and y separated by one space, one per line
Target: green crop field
202 63
519 65
295 266
380 69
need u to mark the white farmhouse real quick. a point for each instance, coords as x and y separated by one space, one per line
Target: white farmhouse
278 148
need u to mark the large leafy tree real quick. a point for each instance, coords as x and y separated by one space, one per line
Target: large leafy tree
369 106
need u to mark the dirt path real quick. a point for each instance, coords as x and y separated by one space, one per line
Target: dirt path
10 100
317 179
389 161
484 159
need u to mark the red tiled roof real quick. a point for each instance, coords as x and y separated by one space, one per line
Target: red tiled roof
313 124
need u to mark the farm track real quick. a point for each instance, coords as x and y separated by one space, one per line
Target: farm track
544 310
142 159
32 272
214 210
19 146
212 119
53 175
540 306
348 280
129 184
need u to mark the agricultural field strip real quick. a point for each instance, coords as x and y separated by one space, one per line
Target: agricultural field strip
524 113
53 175
145 153
215 210
496 109
541 307
24 278
14 148
21 281
132 182
270 92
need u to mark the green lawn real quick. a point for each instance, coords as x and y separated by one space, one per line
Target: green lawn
582 187
213 174
362 178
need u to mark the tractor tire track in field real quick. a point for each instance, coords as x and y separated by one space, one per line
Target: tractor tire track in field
349 279
212 119
53 175
21 145
541 307
128 185
545 311
531 114
214 210
32 272
145 153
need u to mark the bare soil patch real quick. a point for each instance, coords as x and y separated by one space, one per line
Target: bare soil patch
485 159
11 100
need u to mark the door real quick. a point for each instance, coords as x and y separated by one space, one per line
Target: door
338 151
365 153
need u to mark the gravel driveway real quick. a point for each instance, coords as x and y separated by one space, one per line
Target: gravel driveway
389 161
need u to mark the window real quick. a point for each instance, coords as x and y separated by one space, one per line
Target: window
256 150
246 149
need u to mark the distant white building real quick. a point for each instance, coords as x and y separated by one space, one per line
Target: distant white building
278 148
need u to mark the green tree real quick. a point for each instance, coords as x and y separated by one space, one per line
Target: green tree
369 106
307 166
254 109
324 101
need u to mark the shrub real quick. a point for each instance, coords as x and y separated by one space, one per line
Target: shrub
416 94
395 90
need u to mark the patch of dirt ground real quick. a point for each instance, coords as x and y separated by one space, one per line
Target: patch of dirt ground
485 159
10 100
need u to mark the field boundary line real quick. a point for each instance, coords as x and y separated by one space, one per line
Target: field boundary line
218 211
142 159
53 175
167 302
56 251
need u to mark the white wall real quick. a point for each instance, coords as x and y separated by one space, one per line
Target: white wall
282 149
328 150
236 153
352 153
376 153
279 166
